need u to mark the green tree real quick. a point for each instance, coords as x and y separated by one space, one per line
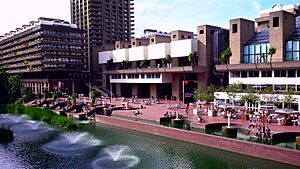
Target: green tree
95 94
201 94
125 63
56 94
272 51
251 96
192 58
13 87
144 63
225 56
232 91
26 93
74 96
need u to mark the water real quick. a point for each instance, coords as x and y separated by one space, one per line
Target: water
101 146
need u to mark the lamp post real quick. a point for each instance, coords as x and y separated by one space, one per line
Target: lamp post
183 91
110 85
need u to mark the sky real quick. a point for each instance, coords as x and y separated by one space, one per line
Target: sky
162 15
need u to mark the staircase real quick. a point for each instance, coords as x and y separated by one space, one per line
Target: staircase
105 92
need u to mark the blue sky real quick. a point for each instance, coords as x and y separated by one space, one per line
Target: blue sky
164 15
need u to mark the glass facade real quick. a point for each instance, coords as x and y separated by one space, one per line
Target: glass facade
292 50
253 53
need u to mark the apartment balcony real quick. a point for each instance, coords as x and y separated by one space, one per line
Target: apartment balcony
138 53
32 63
181 48
22 40
25 70
259 66
182 69
159 51
22 59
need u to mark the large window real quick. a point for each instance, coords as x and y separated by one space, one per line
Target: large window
292 50
256 53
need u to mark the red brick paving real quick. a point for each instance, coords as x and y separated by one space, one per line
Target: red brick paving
154 111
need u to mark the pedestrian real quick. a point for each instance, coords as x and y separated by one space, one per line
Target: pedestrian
268 131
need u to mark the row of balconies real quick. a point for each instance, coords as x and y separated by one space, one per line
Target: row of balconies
18 41
22 59
24 64
20 47
176 49
19 53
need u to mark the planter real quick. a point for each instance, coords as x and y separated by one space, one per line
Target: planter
230 132
177 123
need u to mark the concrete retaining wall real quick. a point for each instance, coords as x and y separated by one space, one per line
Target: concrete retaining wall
242 147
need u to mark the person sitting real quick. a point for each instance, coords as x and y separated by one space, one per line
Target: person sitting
268 131
137 112
254 124
166 114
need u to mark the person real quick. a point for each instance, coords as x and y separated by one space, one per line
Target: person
186 111
269 121
254 124
268 131
250 124
166 114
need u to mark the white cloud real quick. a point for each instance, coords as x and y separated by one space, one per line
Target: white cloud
256 5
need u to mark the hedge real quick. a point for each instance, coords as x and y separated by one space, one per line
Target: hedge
35 113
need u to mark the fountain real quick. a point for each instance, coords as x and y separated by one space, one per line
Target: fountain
18 119
116 157
229 131
72 143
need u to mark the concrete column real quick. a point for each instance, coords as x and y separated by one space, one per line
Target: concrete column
176 86
153 90
153 63
35 88
175 62
135 89
118 89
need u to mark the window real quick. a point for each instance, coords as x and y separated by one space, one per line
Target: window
292 50
152 40
174 36
133 43
291 73
280 73
235 74
140 43
266 73
275 22
201 32
253 53
234 28
182 36
142 76
189 37
253 74
244 74
212 32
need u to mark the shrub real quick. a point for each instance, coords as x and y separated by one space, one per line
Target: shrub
35 113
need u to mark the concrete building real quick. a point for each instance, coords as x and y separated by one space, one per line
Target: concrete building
250 63
105 22
48 54
141 69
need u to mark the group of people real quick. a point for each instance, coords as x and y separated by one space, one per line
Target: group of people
263 133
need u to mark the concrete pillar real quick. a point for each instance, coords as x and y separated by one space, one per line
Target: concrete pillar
153 63
176 86
135 89
35 88
118 89
153 90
